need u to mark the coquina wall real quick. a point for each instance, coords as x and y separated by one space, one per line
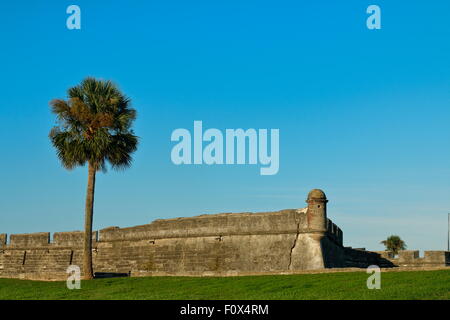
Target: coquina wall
221 244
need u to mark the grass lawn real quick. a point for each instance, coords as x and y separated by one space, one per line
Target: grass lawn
341 285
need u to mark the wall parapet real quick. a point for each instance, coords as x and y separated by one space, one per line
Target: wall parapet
29 239
3 238
288 221
42 239
335 233
279 222
412 258
72 238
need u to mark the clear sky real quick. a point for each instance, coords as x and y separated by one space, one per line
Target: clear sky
363 114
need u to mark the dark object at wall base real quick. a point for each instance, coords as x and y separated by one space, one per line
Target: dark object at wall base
102 275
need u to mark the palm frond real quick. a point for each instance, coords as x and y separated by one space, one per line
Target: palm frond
95 126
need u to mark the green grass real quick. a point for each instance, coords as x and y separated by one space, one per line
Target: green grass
342 285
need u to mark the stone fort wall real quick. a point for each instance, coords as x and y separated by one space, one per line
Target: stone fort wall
220 244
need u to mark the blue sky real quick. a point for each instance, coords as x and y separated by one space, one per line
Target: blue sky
363 114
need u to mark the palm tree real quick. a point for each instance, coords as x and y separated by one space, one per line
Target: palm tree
394 244
94 128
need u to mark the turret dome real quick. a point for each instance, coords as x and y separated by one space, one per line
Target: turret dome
317 194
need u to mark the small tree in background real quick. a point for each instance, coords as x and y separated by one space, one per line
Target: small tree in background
94 128
394 244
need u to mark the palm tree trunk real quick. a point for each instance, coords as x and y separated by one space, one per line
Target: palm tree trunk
89 213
